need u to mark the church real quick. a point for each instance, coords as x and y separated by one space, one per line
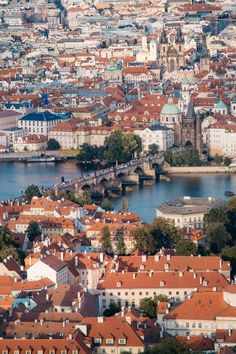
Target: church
171 53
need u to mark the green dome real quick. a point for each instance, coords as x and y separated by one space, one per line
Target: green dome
185 81
220 105
170 109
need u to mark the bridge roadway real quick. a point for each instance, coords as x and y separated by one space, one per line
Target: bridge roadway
131 170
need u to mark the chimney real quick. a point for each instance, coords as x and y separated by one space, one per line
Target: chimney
101 257
168 257
194 275
41 321
144 258
221 263
30 261
62 256
201 279
100 319
76 261
230 332
134 275
180 274
156 258
150 273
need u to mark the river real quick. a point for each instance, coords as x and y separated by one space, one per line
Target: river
14 177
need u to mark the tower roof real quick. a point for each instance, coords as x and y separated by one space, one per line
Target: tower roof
163 37
220 105
190 111
179 38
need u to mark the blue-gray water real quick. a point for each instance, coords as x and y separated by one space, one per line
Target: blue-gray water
15 176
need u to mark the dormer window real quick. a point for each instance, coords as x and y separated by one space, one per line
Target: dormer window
122 341
205 282
118 284
97 340
63 351
141 267
162 283
109 341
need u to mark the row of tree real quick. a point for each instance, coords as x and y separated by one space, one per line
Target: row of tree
118 147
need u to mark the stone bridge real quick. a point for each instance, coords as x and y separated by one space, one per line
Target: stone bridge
130 173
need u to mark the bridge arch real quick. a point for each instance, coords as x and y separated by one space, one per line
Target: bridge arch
103 181
138 170
86 187
121 175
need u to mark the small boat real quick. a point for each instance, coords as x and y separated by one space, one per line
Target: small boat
229 194
40 158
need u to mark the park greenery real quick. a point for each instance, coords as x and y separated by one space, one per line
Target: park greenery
170 345
53 145
8 247
33 230
118 147
150 238
149 305
185 157
32 191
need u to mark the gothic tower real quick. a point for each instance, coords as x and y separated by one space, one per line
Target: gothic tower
191 129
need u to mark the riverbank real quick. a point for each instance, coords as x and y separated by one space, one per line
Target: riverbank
199 169
60 155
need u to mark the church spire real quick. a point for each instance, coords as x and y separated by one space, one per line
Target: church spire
190 111
179 38
163 37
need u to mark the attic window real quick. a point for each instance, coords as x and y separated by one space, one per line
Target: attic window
97 340
205 282
63 351
162 283
109 341
141 267
52 351
118 284
122 341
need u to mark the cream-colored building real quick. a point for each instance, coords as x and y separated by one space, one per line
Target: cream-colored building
221 139
187 211
156 134
9 119
203 313
129 288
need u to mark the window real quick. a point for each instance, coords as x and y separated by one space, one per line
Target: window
97 340
187 325
121 341
109 341
63 351
199 325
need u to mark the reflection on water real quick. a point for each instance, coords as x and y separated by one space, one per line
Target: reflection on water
15 176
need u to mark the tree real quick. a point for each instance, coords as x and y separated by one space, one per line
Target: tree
53 144
32 191
148 305
160 233
112 310
33 230
84 199
145 242
227 161
153 149
218 236
120 247
165 232
106 240
218 159
169 345
8 247
107 205
120 147
89 153
124 205
216 215
232 205
229 254
186 248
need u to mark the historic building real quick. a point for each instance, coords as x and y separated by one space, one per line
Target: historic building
191 135
171 52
